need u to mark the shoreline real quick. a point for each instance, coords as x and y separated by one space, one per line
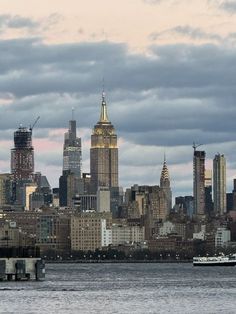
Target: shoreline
116 261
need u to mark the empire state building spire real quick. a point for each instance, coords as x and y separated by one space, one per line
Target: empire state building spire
104 152
104 115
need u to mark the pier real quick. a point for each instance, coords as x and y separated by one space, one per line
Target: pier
21 269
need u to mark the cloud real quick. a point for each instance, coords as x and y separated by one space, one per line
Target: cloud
31 27
188 31
229 6
17 22
161 101
178 87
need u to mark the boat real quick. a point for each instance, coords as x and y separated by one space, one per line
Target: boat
222 260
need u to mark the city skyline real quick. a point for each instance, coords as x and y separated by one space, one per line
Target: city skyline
167 86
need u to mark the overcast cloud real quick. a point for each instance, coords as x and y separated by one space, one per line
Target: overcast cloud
169 98
160 100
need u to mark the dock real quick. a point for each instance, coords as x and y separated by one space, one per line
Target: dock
17 269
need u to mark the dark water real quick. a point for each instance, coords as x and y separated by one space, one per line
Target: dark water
124 288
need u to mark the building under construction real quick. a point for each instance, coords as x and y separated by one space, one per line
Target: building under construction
22 155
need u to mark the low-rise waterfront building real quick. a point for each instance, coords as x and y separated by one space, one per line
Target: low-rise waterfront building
90 231
222 237
10 235
122 233
53 232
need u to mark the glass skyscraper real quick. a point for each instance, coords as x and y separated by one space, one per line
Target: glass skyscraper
72 151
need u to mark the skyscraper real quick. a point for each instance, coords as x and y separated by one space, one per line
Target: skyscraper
199 181
165 185
104 152
22 155
72 150
68 182
219 184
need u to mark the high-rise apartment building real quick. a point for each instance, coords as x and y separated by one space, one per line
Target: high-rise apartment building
68 188
234 195
208 192
186 203
199 181
22 155
72 150
219 184
104 152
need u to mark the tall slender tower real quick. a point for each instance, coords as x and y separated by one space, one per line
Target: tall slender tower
165 185
72 149
22 155
68 182
104 152
199 181
219 184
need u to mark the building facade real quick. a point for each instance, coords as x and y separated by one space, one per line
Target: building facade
90 231
222 237
103 199
5 189
123 233
208 192
199 182
22 155
53 232
72 155
219 184
10 235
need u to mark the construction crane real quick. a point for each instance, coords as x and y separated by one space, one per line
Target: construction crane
195 146
31 127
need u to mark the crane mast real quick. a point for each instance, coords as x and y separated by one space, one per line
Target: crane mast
31 127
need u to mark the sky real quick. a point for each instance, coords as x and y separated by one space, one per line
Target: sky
169 69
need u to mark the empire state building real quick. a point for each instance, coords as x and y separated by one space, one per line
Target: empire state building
104 152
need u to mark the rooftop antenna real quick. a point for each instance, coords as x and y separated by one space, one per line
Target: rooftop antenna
103 88
73 111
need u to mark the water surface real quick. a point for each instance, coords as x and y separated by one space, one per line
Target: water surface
124 288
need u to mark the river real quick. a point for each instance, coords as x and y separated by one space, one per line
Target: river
124 288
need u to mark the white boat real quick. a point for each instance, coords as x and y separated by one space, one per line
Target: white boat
223 260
